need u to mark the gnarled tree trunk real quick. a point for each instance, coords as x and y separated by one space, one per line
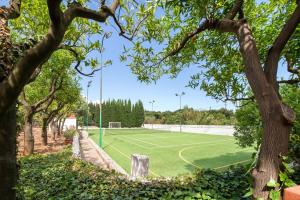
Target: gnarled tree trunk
276 117
8 166
28 134
44 131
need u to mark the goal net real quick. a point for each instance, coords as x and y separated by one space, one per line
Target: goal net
114 125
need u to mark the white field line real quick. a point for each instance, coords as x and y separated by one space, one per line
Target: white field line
193 144
134 143
185 160
126 156
130 138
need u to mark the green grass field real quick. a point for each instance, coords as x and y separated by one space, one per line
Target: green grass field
172 153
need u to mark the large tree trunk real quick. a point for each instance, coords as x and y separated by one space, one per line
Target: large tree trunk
275 119
8 166
28 135
44 131
274 143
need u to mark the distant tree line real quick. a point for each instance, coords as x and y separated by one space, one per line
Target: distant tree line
192 116
130 115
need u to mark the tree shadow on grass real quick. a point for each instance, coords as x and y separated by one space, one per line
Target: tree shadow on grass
220 162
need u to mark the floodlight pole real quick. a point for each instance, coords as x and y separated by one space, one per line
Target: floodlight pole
106 35
152 102
180 95
87 101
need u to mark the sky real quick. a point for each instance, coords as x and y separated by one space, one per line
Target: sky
120 83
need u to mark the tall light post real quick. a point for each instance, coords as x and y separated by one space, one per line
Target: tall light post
180 95
152 102
105 36
87 101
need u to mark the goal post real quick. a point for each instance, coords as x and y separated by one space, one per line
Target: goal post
114 124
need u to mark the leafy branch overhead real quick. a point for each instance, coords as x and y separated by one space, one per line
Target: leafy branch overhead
204 34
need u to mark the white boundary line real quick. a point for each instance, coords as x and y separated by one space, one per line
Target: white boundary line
197 166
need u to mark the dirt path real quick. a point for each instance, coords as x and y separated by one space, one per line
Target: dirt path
39 148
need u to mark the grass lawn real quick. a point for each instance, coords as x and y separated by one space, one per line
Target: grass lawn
172 153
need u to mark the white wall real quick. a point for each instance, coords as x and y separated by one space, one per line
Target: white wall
207 129
70 123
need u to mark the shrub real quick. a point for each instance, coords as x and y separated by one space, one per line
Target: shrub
69 133
59 176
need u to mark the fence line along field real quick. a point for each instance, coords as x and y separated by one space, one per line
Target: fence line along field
172 153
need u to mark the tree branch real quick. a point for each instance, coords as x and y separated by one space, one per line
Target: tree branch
54 11
240 99
50 97
224 25
74 52
13 11
271 63
290 67
291 81
135 30
237 8
12 86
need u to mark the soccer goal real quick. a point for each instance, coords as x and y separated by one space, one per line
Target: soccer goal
114 125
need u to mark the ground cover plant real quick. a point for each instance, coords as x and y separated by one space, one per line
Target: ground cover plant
172 153
74 179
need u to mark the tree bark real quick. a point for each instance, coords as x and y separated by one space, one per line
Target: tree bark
276 125
8 164
54 130
28 135
44 131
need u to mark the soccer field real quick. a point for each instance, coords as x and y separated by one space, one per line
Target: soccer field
172 153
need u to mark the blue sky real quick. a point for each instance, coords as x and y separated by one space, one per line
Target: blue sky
120 83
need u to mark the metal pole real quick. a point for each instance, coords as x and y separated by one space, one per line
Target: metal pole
180 113
87 101
106 35
152 112
100 118
152 102
87 111
180 95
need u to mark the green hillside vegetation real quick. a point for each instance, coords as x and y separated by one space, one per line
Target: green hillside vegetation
192 116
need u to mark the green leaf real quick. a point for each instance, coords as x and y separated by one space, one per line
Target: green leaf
274 195
272 183
249 193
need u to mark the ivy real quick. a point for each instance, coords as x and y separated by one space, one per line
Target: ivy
59 176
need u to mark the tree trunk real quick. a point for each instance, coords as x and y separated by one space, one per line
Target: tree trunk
8 165
59 126
54 130
276 123
44 131
274 143
62 125
28 135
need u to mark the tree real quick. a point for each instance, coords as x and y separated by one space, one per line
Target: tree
217 36
63 104
18 63
249 126
40 94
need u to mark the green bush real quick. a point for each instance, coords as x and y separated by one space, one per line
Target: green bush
59 176
69 133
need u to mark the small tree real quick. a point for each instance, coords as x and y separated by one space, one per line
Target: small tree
216 36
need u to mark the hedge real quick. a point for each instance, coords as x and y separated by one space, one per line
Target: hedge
59 176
